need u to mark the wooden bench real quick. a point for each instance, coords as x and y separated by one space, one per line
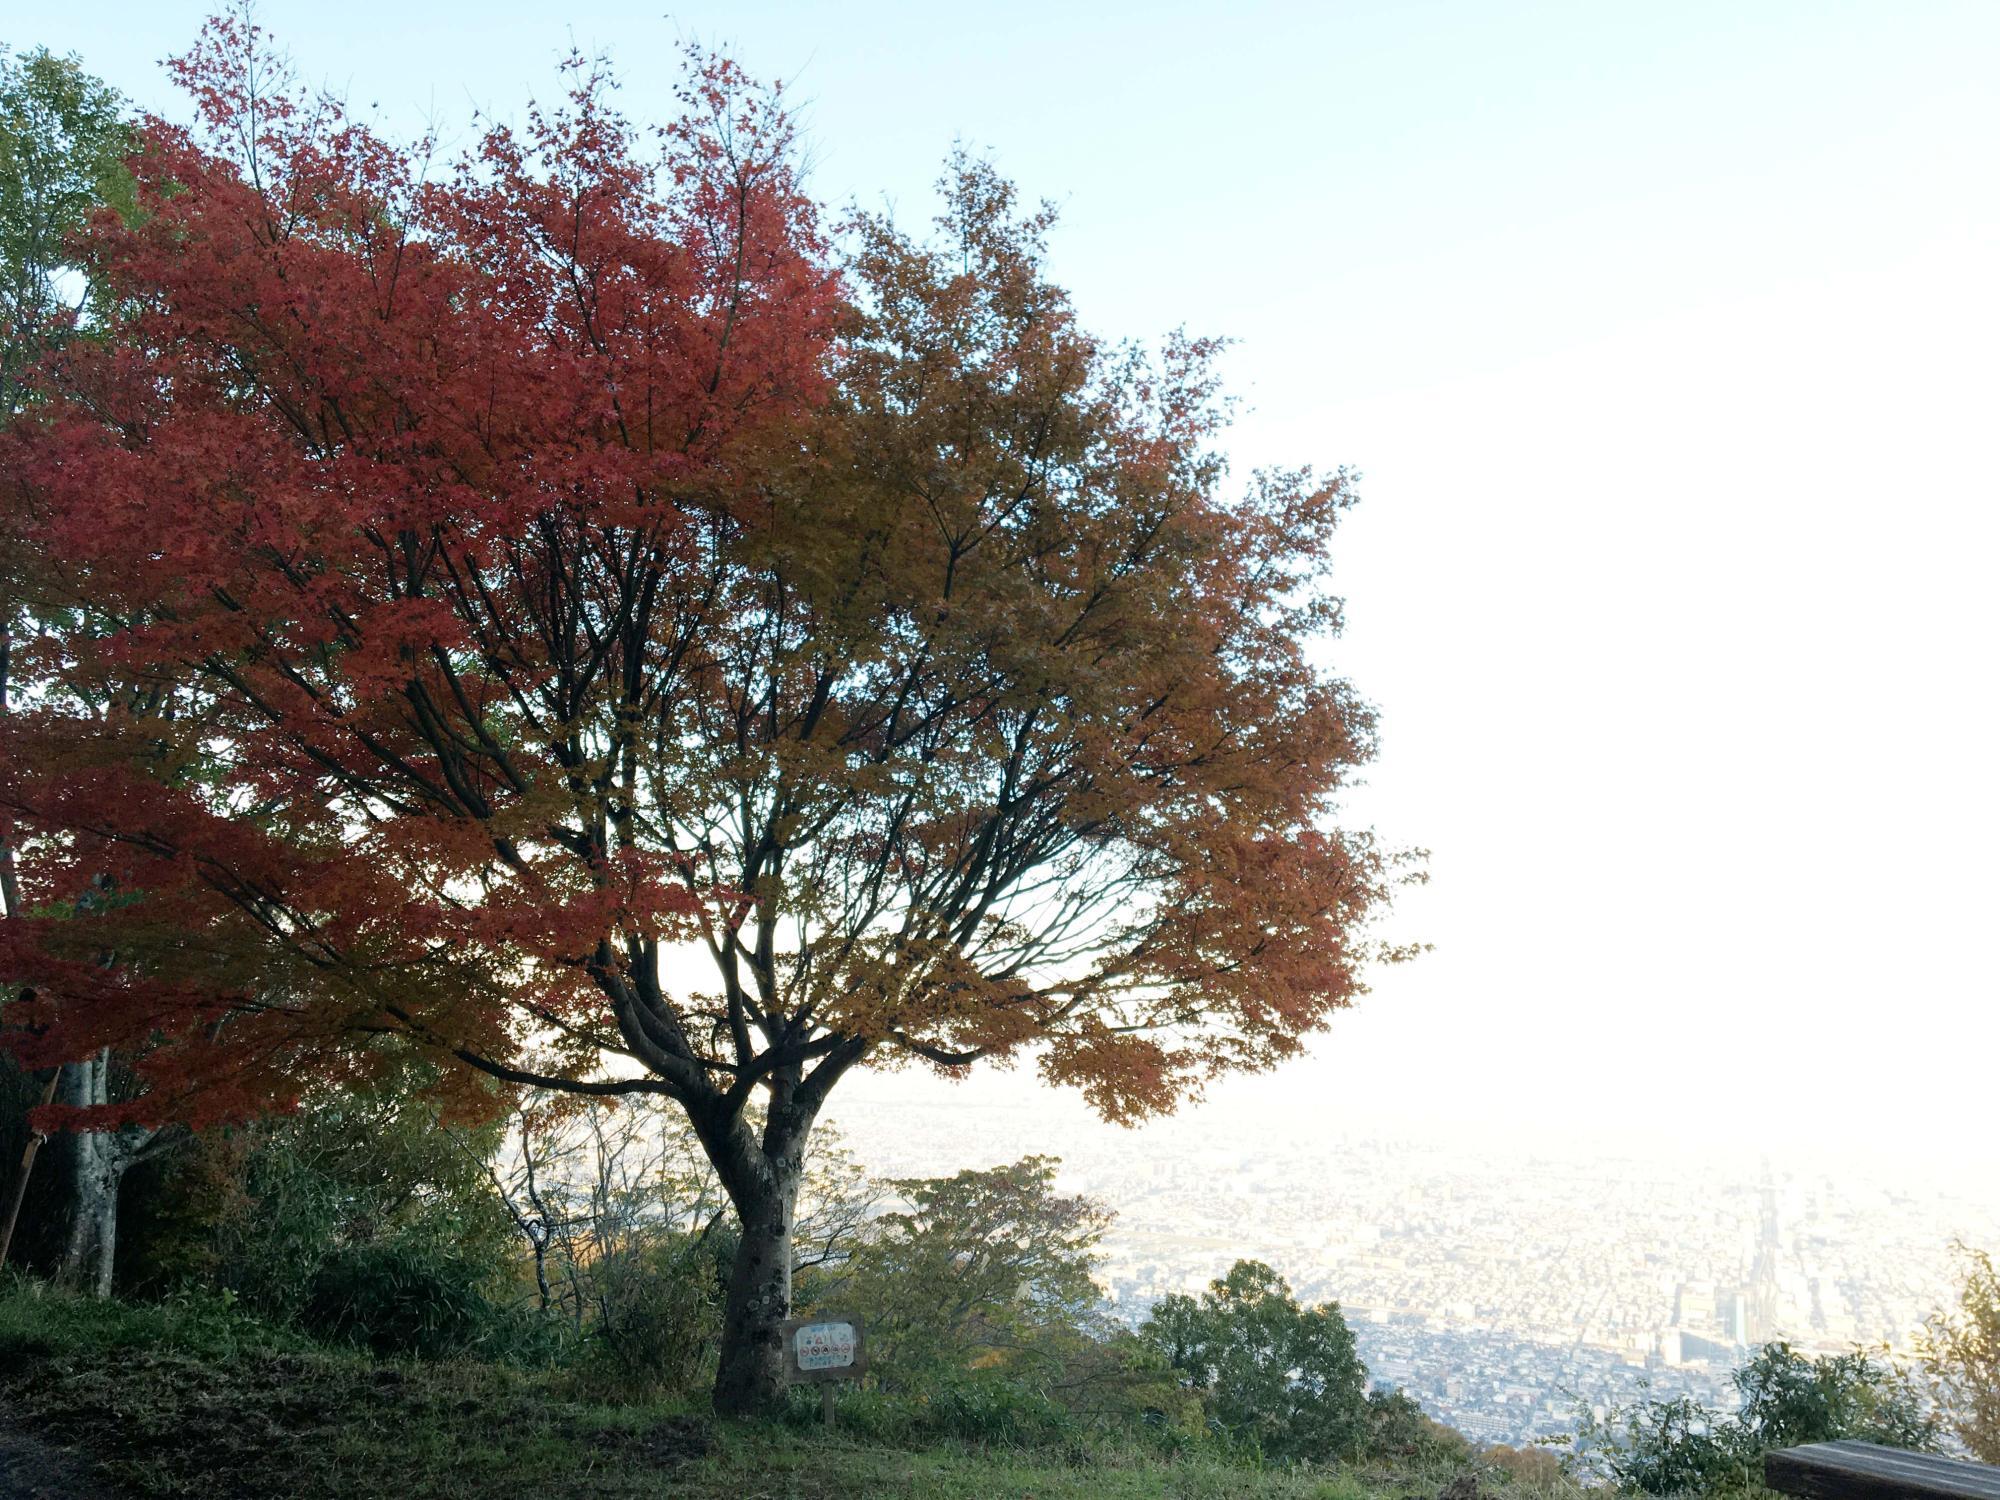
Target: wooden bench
1869 1471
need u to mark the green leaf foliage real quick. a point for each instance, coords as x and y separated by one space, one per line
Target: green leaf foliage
981 1270
1278 1378
1961 1350
63 144
1681 1447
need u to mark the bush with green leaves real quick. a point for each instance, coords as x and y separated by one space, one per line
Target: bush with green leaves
1681 1447
990 1269
1961 1351
398 1297
359 1218
997 1411
1398 1430
658 1313
1670 1447
1275 1378
1789 1399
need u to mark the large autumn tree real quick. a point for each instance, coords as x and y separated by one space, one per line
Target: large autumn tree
477 600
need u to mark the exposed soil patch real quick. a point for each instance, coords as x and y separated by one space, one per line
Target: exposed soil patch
677 1440
31 1469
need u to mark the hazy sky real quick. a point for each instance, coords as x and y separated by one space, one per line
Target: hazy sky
1665 339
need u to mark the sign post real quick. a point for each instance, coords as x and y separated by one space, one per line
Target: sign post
819 1351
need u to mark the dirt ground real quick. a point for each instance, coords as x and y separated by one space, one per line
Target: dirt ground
31 1469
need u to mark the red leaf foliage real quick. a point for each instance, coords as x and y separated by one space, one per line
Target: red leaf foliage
458 589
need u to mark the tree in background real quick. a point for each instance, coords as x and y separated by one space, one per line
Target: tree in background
460 591
981 1301
988 1268
1278 1378
1961 1354
63 143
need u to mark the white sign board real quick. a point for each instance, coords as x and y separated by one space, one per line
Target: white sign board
828 1347
824 1346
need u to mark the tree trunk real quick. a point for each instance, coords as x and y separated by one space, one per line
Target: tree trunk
10 885
100 1158
93 1227
750 1379
761 1172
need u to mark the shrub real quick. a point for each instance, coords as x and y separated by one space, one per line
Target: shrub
256 1210
1676 1447
998 1412
1275 1378
1789 1399
1399 1430
988 1410
1682 1447
402 1297
1962 1356
658 1315
1535 1467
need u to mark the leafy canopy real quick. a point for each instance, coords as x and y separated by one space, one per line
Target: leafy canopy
1278 1378
988 1268
63 142
467 597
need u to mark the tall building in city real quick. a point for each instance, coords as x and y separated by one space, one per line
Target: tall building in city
1736 1318
1694 1307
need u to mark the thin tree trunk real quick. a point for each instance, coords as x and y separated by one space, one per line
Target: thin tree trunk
10 906
541 1248
10 887
540 1229
28 1152
10 881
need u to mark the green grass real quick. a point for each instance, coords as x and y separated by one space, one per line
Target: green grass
192 1398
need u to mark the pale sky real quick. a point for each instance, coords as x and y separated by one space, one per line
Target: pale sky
1664 337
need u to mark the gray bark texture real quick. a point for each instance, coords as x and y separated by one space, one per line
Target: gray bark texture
751 1376
99 1159
762 1178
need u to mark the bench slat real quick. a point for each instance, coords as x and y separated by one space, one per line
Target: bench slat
1869 1471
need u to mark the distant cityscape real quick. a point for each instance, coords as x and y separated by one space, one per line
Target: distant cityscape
1504 1289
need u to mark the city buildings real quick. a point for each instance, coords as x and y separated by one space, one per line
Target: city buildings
1506 1287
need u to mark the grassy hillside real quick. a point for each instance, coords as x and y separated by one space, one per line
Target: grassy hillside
195 1399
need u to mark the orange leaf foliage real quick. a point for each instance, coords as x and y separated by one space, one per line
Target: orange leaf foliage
456 592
